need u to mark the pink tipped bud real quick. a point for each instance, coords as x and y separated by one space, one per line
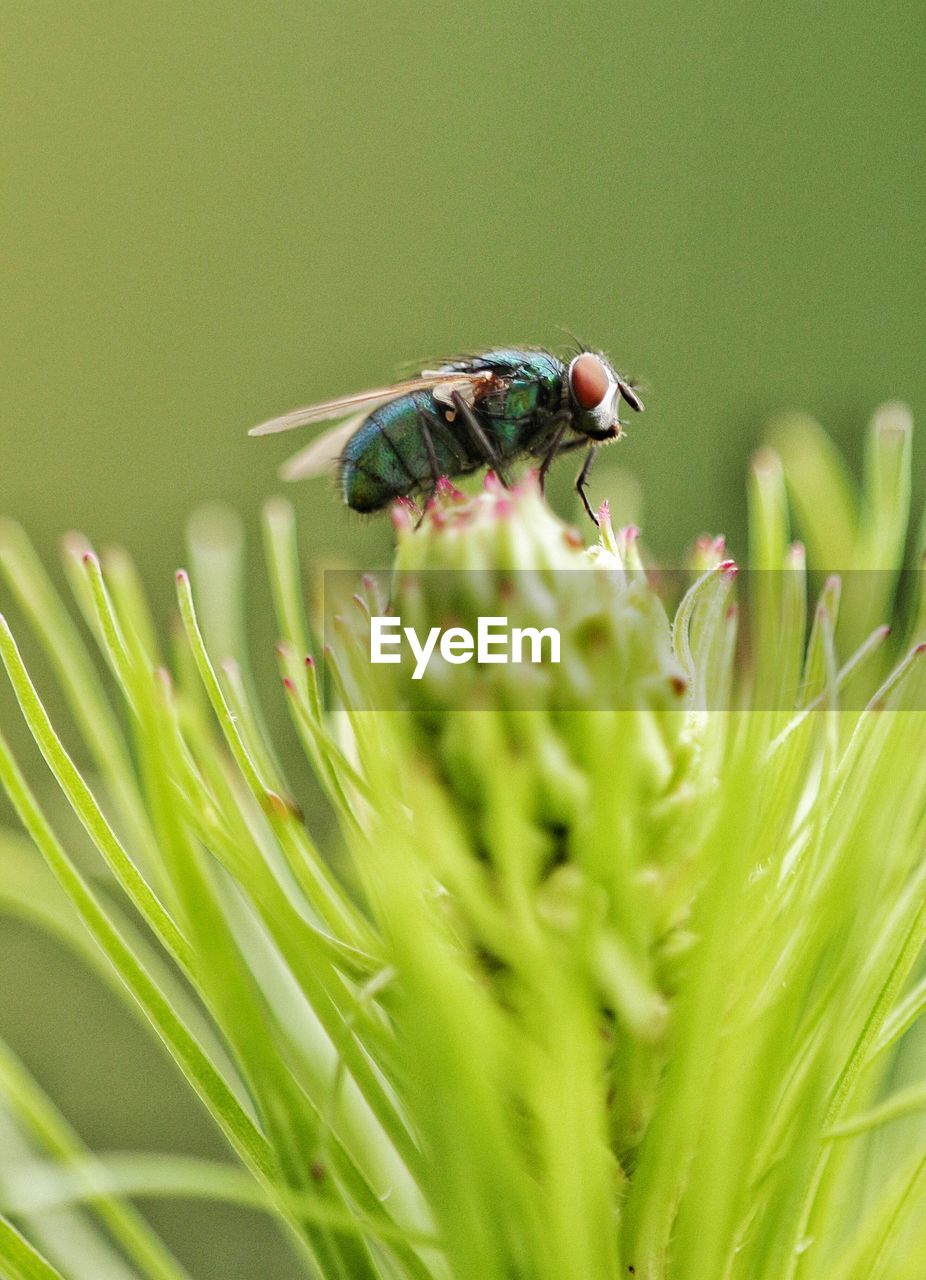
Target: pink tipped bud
447 490
403 513
182 575
309 661
74 544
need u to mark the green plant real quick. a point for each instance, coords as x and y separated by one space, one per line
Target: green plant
617 982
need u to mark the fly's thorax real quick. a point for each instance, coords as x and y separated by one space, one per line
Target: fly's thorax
530 385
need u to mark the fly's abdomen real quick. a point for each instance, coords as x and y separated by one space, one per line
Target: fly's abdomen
390 457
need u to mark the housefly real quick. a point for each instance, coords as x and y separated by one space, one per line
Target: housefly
486 410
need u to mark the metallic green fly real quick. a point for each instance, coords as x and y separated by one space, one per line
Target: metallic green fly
483 411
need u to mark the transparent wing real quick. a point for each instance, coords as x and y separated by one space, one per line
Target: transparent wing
370 400
323 451
325 412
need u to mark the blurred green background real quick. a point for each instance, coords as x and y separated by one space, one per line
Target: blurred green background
211 213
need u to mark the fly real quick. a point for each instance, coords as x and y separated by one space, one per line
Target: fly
486 410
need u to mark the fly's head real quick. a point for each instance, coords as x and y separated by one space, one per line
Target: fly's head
596 390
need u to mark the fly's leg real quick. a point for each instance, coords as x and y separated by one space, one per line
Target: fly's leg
551 452
571 445
479 438
432 461
582 482
431 426
438 427
557 446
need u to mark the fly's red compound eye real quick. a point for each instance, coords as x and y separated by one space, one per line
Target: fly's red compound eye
589 381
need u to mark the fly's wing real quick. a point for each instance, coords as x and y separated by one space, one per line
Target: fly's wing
323 452
328 410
